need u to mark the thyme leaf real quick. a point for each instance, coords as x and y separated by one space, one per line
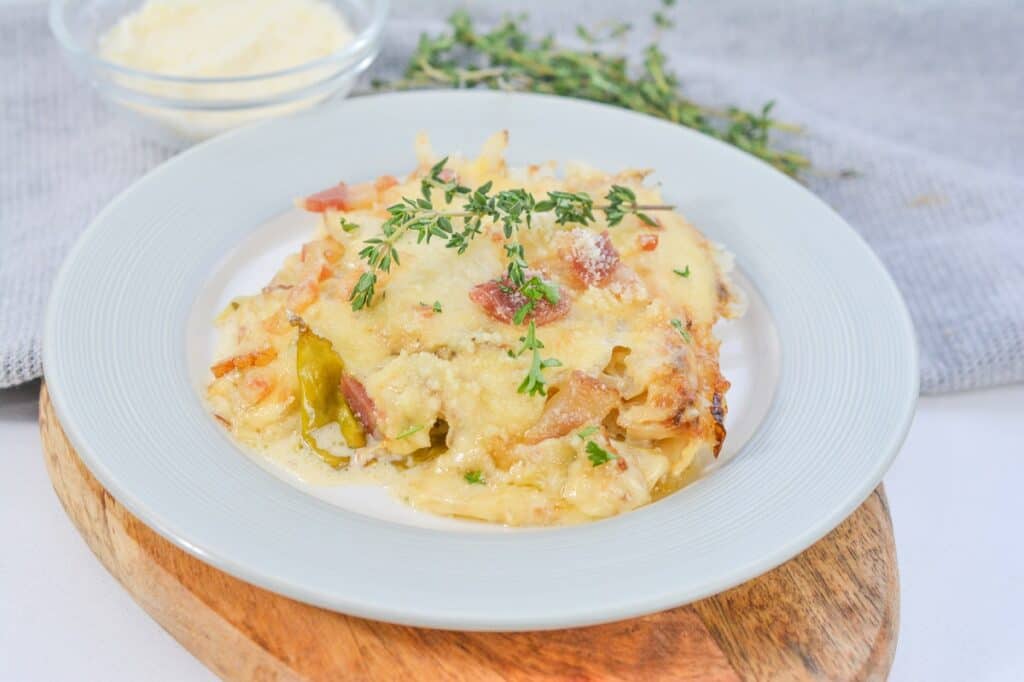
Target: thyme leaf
534 383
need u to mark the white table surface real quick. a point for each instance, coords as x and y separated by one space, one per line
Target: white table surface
956 493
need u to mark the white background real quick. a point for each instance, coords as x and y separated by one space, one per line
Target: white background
955 492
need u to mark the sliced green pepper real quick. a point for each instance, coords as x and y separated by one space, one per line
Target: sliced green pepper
320 399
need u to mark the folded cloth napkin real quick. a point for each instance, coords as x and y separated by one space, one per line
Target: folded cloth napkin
924 100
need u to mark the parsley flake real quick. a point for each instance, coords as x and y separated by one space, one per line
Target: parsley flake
348 225
685 272
588 432
677 324
598 455
474 478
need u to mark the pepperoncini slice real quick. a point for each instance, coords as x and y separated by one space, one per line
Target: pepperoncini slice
321 402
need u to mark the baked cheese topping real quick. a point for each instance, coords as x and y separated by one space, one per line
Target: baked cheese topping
432 368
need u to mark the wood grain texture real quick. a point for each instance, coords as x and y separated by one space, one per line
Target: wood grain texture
829 614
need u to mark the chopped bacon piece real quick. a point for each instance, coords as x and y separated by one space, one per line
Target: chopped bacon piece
647 241
592 256
581 399
342 197
359 402
330 198
500 299
257 358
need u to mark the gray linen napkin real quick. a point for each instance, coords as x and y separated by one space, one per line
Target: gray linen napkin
925 100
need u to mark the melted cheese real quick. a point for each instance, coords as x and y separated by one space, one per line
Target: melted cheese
422 368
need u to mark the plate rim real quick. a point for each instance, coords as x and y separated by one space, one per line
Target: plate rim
410 616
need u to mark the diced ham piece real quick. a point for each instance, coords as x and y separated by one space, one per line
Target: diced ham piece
359 402
342 197
257 358
581 399
592 256
500 299
647 241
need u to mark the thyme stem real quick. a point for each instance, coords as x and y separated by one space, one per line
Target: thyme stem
507 58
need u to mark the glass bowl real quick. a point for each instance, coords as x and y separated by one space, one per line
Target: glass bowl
188 109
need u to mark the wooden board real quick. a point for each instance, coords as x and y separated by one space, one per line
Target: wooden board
830 613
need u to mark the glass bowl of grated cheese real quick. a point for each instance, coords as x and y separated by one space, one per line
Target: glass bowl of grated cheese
186 70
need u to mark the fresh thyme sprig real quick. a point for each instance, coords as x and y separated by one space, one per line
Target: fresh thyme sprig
507 58
534 382
511 208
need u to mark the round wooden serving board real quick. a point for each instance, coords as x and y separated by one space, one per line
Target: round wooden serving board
830 613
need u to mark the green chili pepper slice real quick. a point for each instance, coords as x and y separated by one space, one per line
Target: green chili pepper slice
321 402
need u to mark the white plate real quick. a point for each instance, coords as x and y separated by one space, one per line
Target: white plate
127 345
